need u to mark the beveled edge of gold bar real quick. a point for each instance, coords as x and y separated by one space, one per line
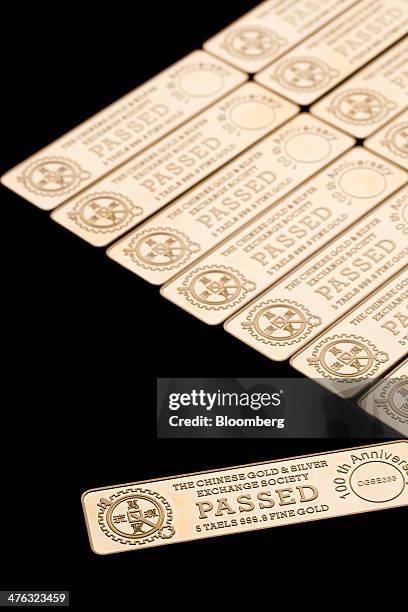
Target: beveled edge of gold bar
222 469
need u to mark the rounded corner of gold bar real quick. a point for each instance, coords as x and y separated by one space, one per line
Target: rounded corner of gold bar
100 553
163 289
84 495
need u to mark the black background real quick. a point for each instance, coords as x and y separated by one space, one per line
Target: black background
85 340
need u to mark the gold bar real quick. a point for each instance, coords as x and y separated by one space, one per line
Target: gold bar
363 345
183 231
247 497
300 306
371 98
270 30
392 141
121 130
279 239
167 169
331 55
388 401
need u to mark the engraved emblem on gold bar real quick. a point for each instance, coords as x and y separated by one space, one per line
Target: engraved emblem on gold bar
337 50
206 215
388 400
243 498
122 130
271 29
392 141
370 99
154 178
263 251
296 309
363 345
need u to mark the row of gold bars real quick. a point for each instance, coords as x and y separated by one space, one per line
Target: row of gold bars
262 182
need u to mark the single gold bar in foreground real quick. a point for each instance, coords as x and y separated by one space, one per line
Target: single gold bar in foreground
121 130
343 46
270 29
364 344
270 246
193 224
149 181
388 400
300 306
247 497
392 141
371 98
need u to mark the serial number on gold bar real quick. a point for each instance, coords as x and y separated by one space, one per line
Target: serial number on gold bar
305 302
336 51
363 345
266 249
392 140
123 129
271 29
388 400
244 498
206 215
149 181
371 98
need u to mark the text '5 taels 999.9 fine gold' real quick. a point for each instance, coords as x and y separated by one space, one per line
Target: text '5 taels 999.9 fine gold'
247 498
167 169
122 130
270 246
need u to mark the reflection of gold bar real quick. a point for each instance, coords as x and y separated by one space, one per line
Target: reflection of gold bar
279 239
167 169
298 308
122 130
248 497
392 141
388 400
370 98
336 51
270 30
206 215
364 344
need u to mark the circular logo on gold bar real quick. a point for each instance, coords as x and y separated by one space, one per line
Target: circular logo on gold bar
161 248
215 287
394 399
347 357
53 176
283 323
104 212
135 516
304 74
253 42
361 106
396 139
